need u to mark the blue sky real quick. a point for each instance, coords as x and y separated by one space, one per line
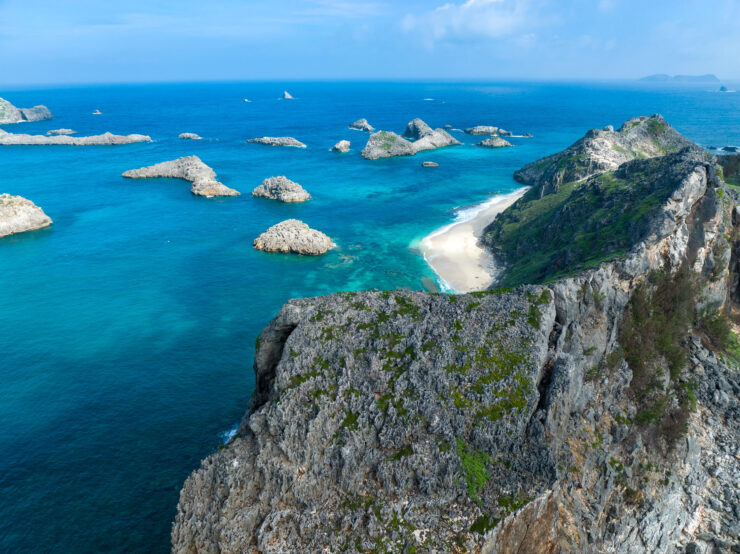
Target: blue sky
91 41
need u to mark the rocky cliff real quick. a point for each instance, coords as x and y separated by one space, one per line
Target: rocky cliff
594 412
10 114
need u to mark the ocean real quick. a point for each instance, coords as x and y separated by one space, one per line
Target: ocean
129 325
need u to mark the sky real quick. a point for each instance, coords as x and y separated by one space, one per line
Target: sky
103 41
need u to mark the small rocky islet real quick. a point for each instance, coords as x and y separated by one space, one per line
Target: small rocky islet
278 141
10 114
190 168
293 237
362 125
106 139
494 142
417 137
19 215
520 419
341 146
189 136
281 188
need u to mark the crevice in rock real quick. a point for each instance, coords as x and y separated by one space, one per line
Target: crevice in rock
266 358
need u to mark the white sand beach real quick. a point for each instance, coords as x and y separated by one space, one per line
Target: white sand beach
453 251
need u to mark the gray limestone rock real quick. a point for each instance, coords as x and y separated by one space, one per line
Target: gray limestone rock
18 215
385 144
482 130
106 139
341 146
191 136
281 188
278 141
362 125
494 142
61 132
10 114
293 237
190 168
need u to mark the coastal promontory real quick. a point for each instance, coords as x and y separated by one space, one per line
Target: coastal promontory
385 144
282 189
190 168
294 237
591 406
106 139
18 215
278 141
10 114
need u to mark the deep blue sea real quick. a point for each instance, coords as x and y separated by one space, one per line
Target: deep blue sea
128 326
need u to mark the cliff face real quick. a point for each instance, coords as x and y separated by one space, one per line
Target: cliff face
503 421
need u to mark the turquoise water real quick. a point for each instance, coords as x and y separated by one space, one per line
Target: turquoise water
129 325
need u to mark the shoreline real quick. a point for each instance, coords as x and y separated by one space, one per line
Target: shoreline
453 252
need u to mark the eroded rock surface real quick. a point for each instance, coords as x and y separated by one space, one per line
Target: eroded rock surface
18 215
294 237
498 422
106 139
494 142
278 141
190 136
190 168
10 114
385 144
283 189
61 132
341 146
362 125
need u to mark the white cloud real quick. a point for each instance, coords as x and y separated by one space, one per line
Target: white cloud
473 19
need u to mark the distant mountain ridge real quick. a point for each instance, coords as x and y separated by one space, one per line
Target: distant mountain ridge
662 77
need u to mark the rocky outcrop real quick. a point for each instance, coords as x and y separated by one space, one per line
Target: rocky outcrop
362 125
18 215
482 130
499 421
190 168
281 188
294 237
278 141
106 139
341 146
10 114
603 150
287 96
494 142
61 132
385 144
429 164
190 136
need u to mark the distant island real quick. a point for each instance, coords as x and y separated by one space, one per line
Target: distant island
662 77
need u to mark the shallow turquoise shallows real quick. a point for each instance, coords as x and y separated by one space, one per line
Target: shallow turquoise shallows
128 326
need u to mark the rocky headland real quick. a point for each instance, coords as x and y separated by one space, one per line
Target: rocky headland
385 144
189 136
590 407
362 125
18 215
10 114
282 189
493 142
294 237
106 139
341 146
192 169
278 141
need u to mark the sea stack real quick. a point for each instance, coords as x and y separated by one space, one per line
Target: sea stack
341 146
287 95
385 144
191 169
190 136
278 141
293 237
362 125
282 189
10 114
106 139
494 142
18 215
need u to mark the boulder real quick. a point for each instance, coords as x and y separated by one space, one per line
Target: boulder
281 188
10 139
341 146
494 142
362 125
293 237
191 169
18 215
278 141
